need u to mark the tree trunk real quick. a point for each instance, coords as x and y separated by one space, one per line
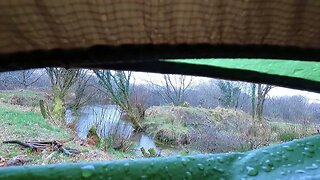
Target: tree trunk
58 105
58 108
43 109
253 100
263 90
135 121
259 108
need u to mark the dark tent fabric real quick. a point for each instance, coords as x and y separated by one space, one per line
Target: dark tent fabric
136 34
32 25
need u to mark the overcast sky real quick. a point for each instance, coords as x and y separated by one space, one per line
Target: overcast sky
141 77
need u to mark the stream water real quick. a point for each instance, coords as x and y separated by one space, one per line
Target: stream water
107 118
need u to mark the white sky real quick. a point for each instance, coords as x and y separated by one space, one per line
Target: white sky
141 77
280 91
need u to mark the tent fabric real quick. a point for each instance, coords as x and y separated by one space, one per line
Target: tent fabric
27 25
297 69
136 34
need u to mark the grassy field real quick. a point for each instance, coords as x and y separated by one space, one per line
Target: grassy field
24 123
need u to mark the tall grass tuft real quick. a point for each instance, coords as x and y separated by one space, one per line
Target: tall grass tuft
112 131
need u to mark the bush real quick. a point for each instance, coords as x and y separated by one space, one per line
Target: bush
21 101
287 136
212 140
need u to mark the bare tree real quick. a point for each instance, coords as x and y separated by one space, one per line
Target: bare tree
117 85
253 100
173 88
61 81
5 80
26 77
259 94
82 96
262 91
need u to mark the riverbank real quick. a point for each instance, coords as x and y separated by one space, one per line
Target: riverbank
217 130
25 123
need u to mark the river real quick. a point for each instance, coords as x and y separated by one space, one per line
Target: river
108 120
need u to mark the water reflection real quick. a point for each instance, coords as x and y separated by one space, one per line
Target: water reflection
107 119
146 142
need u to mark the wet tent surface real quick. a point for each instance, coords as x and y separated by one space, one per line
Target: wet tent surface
291 68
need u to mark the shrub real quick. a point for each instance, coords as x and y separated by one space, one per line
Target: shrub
21 101
185 104
150 154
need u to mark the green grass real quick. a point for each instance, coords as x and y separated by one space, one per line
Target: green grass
27 122
287 136
19 93
27 97
18 124
169 127
121 155
299 128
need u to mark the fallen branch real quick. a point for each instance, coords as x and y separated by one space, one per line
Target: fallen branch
14 161
46 145
18 161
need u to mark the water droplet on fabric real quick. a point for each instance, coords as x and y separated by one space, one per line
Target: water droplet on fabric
299 171
126 167
313 166
252 171
184 161
201 167
220 160
87 171
308 154
288 148
309 144
266 168
189 175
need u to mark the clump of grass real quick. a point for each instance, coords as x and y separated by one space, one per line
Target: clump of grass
216 116
288 131
243 147
120 154
287 136
166 129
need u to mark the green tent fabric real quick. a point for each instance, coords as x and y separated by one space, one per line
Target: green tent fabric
309 70
298 159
